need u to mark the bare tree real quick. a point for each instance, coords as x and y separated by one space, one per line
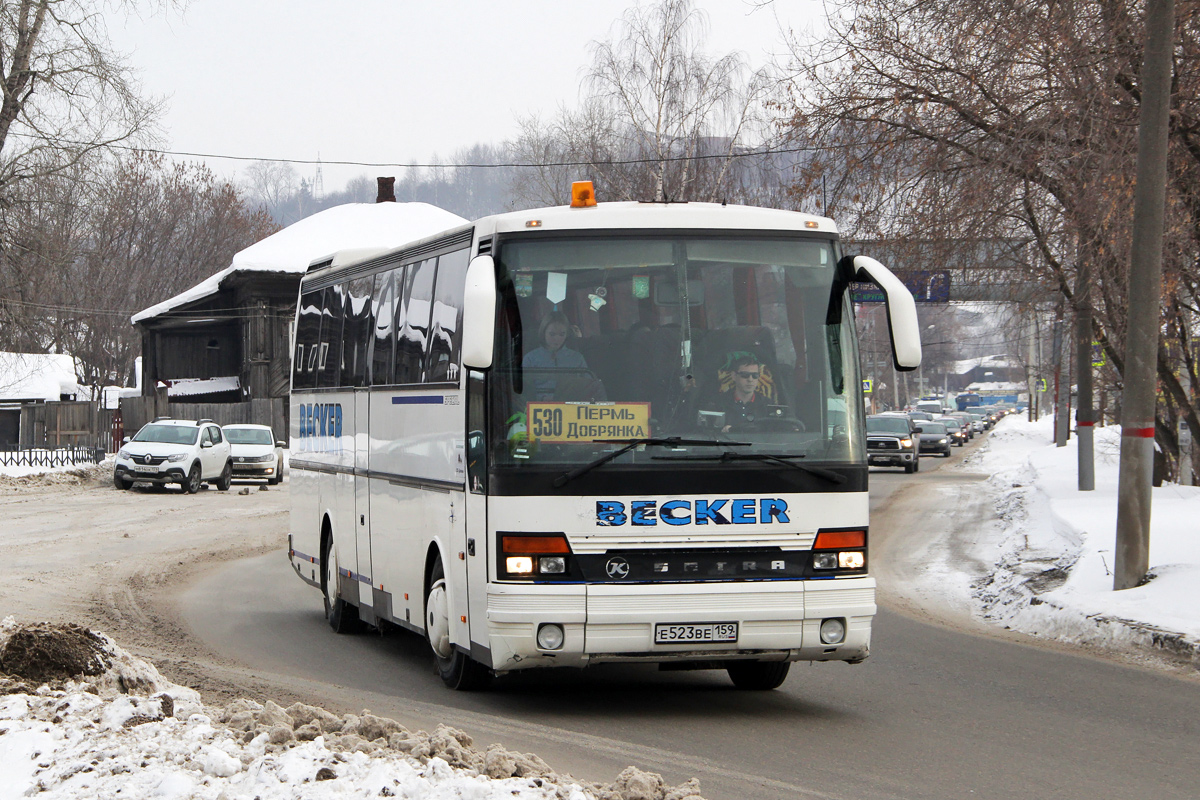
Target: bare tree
661 120
66 93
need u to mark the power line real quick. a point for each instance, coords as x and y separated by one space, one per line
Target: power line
471 165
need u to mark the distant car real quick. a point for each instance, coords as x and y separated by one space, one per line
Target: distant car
977 422
182 451
965 421
920 416
954 426
935 438
892 441
256 453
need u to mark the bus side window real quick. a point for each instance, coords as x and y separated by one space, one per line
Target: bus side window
357 331
329 361
308 331
413 342
445 335
384 346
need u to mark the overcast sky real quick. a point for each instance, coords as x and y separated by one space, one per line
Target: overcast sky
387 80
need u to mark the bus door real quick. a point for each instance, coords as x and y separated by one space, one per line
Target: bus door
475 501
362 494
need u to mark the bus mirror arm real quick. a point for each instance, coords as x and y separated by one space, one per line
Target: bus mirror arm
479 313
903 326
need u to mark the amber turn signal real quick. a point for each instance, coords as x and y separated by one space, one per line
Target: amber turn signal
827 540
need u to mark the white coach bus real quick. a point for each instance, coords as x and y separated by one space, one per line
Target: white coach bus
624 432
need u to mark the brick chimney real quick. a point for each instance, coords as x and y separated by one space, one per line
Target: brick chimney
386 191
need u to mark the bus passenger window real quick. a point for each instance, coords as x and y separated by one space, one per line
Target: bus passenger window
445 335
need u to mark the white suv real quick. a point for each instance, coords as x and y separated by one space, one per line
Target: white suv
175 451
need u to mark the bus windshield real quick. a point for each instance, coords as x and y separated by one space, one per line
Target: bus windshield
708 345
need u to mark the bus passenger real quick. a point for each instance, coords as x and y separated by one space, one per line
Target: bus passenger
552 355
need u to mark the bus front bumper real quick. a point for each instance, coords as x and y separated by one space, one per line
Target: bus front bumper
776 621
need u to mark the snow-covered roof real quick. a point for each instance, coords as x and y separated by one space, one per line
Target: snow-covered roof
190 387
993 362
37 376
353 225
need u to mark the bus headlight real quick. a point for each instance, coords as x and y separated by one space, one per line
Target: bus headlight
844 550
552 565
519 565
525 555
549 636
833 630
851 559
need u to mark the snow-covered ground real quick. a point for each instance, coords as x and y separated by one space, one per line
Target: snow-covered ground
1052 546
124 731
128 732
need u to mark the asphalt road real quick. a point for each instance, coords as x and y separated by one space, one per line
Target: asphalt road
938 711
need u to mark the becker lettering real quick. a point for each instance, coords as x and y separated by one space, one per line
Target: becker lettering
720 511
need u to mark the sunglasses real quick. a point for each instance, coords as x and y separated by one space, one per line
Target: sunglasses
742 374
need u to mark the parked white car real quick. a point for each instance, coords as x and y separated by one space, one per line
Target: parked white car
181 451
256 453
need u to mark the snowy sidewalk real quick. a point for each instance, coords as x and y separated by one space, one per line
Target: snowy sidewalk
1052 547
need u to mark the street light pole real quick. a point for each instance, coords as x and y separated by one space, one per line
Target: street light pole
1145 291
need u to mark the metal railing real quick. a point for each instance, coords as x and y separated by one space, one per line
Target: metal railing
58 457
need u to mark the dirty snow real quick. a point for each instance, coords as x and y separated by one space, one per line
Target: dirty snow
128 732
1052 547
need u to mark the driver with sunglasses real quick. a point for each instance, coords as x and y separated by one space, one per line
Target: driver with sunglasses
743 403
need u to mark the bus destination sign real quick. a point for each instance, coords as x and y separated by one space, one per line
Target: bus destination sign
577 423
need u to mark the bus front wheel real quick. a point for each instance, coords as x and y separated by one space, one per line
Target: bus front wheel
456 669
342 616
758 675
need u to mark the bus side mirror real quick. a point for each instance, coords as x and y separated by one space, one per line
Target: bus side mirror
479 313
903 326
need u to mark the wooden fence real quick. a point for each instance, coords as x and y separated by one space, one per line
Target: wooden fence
61 424
137 411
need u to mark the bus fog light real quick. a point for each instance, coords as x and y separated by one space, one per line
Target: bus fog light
833 631
550 636
552 565
851 559
825 560
519 565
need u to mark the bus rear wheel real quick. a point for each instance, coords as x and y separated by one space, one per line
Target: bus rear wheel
758 675
342 616
456 669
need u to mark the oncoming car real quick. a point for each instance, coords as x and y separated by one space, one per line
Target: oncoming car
181 451
892 441
935 438
256 454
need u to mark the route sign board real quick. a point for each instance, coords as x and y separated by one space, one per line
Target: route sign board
927 286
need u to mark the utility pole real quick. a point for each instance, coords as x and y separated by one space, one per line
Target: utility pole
1085 417
1062 383
1145 293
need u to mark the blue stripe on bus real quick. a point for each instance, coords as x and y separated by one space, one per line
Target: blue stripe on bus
435 400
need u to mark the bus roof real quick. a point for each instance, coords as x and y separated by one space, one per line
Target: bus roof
607 216
632 215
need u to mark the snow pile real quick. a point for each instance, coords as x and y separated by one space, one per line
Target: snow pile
18 477
106 724
1053 547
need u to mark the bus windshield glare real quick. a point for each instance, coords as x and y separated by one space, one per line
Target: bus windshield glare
721 341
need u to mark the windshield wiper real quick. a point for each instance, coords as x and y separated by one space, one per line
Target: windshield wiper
670 441
820 472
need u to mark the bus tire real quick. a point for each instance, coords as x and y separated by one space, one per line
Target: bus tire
456 669
342 616
758 675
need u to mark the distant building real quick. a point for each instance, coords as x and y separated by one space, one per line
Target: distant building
30 379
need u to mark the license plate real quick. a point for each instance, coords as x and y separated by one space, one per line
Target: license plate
699 632
145 468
